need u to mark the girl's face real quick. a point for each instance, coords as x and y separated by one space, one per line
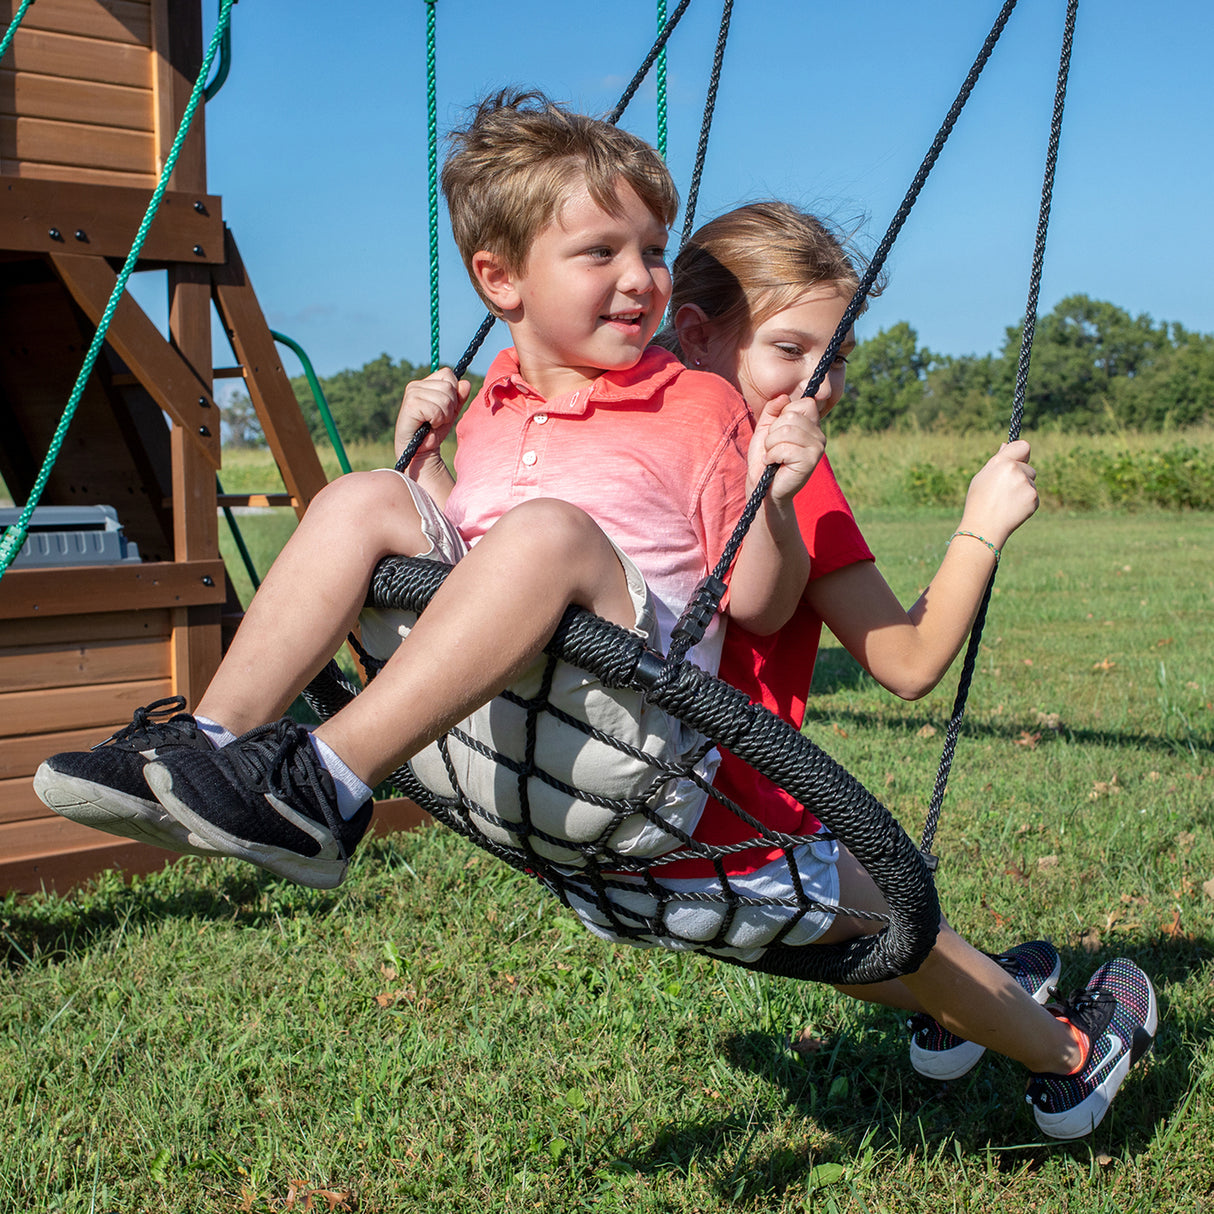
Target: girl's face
780 355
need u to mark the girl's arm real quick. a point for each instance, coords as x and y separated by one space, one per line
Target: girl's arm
907 652
770 575
437 399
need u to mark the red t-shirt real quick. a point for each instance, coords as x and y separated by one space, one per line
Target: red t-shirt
776 671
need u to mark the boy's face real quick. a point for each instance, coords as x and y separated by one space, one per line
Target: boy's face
592 292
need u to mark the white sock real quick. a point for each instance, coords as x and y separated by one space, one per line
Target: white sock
216 732
352 793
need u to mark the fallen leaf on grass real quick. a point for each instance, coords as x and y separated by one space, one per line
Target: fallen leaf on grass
1090 941
334 1199
1049 720
1028 740
805 1042
1208 888
1172 930
1104 788
838 729
927 731
1045 863
1105 665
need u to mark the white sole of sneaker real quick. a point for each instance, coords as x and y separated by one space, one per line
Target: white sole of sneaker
117 813
1080 1122
325 870
945 1066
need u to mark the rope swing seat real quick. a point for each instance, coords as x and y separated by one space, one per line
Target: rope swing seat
603 856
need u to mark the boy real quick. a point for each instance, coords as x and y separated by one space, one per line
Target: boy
581 433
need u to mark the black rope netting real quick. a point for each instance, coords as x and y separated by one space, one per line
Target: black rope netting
611 886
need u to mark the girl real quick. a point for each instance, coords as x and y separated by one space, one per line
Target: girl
758 293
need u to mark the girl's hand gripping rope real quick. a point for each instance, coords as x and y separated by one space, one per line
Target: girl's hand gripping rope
788 433
1002 495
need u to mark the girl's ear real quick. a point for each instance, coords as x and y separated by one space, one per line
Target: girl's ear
694 331
495 281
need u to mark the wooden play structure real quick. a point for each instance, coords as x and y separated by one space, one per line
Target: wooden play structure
91 96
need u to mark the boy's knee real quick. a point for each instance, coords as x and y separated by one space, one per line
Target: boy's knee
550 522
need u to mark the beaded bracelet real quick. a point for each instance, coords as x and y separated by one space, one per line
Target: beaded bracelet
980 538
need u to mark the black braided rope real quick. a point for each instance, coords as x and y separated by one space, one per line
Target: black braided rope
970 661
756 736
710 105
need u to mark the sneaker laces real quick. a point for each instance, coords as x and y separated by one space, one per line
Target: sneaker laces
280 758
144 727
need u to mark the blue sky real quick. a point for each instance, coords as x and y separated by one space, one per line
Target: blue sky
317 145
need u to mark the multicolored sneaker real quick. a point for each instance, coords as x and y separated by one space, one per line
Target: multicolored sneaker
104 787
1118 1012
265 798
939 1054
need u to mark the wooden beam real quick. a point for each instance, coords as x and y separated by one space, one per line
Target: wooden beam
76 144
26 96
28 668
112 21
58 709
45 217
270 390
166 375
51 54
130 586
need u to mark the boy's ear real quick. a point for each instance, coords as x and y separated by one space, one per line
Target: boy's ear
694 331
495 281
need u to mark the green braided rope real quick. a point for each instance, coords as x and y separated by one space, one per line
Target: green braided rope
661 82
9 33
14 536
432 172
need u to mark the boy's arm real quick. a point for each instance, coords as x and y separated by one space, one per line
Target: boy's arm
437 399
772 569
908 651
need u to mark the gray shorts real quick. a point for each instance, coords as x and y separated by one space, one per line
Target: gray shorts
569 756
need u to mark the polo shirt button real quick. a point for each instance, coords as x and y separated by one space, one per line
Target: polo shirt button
540 418
529 458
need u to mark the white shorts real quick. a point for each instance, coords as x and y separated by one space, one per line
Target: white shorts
565 828
691 924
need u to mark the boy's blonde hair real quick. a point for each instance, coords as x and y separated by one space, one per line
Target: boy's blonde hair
756 260
511 167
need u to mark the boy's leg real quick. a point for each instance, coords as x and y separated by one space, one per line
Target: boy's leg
296 622
486 625
266 798
311 596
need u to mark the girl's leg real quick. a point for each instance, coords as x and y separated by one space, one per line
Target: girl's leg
484 627
960 987
311 597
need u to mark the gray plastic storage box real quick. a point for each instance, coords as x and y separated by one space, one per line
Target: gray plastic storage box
71 535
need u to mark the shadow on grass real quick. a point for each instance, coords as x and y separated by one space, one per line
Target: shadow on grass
818 723
44 928
863 1107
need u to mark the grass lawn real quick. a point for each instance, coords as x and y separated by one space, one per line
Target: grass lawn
439 1035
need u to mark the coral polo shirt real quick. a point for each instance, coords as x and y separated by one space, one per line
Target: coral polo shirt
656 455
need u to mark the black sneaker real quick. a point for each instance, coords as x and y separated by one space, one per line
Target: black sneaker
104 787
265 798
1118 1012
939 1054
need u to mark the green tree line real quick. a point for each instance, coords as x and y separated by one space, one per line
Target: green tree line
1095 369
